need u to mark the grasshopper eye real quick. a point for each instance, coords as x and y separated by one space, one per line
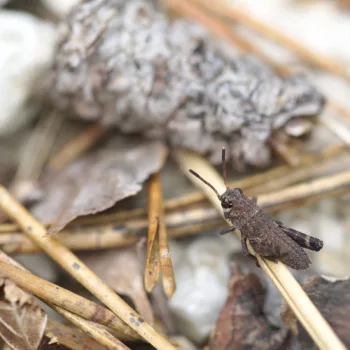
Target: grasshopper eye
239 190
226 203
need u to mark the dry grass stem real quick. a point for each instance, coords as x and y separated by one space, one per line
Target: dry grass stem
80 271
75 147
223 9
339 182
166 265
54 295
95 330
199 221
94 238
119 216
307 313
152 269
158 254
168 277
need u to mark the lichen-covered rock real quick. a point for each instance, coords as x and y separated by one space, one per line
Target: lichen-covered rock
125 63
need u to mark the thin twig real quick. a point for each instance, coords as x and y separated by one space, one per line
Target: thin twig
79 270
236 15
75 147
299 302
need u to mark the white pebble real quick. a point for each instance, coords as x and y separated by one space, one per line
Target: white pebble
202 272
27 46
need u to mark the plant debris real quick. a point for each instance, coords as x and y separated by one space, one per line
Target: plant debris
99 180
124 63
122 271
332 298
241 323
22 321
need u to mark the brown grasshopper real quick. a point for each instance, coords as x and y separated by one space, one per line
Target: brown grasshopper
269 238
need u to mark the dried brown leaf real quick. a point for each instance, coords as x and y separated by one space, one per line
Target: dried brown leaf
241 323
121 269
332 298
99 180
22 321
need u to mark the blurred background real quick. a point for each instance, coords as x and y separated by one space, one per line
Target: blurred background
97 93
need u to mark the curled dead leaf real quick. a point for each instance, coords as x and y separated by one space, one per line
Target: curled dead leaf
241 323
121 269
99 180
22 321
332 298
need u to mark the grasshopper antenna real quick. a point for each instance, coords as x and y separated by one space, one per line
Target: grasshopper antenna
224 173
206 182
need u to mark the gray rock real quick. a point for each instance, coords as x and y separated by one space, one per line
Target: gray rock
125 64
